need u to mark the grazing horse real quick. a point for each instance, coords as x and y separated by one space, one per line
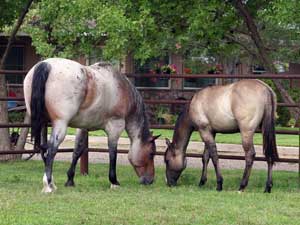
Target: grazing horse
89 98
238 107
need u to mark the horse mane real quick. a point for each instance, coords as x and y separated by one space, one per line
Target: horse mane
180 117
145 132
137 114
102 64
183 115
141 116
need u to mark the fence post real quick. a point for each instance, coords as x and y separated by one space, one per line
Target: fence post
84 159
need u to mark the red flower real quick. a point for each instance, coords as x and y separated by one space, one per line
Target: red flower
187 70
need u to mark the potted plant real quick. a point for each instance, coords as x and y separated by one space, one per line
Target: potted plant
162 69
169 69
159 114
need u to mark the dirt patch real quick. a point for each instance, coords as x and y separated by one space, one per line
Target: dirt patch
196 147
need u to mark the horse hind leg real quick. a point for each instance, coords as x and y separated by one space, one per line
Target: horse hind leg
57 136
269 182
81 138
247 142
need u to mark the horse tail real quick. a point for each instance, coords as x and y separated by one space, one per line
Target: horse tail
268 129
37 104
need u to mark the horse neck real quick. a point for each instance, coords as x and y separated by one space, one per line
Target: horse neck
137 125
183 131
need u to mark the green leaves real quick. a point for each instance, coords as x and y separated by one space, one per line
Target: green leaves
154 28
9 11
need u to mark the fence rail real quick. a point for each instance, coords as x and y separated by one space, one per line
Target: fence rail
125 151
225 76
153 126
164 101
156 101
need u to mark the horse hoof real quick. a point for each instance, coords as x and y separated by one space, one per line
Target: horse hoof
202 182
240 191
69 183
114 186
268 187
53 186
47 190
219 186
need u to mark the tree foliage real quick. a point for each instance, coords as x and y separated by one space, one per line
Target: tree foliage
153 28
9 11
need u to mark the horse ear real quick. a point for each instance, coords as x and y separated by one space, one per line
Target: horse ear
153 138
168 142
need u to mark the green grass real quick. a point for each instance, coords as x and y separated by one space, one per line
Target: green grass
93 202
282 139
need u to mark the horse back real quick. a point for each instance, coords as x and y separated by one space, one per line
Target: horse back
230 107
82 96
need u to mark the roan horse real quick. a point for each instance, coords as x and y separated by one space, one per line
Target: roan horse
89 98
242 106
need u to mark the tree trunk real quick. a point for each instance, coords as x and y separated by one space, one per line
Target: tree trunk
4 132
243 11
230 67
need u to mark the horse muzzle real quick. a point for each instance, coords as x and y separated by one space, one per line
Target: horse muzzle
146 180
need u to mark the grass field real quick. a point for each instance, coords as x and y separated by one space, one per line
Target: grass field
93 202
282 139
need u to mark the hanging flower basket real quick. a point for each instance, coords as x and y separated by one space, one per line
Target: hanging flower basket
163 69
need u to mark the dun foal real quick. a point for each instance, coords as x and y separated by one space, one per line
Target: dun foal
239 107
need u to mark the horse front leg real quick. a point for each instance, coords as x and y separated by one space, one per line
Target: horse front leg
113 129
57 136
205 160
80 147
208 138
249 158
112 165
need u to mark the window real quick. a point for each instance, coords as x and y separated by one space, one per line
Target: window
94 57
258 69
14 61
146 68
197 65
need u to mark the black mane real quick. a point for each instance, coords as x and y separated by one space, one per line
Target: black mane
138 113
145 132
183 115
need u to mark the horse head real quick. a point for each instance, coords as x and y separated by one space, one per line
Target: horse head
143 160
175 163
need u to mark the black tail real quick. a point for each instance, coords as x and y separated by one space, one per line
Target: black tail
39 116
268 130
